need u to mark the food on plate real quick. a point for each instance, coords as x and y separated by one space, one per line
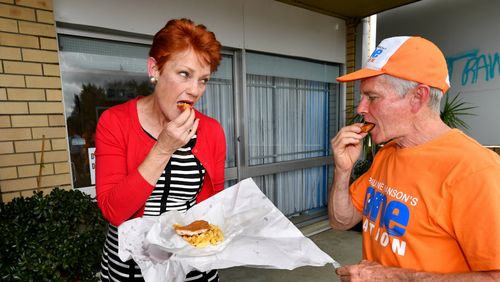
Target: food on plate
200 233
367 127
183 106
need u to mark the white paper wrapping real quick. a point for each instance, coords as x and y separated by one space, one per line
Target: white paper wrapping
256 234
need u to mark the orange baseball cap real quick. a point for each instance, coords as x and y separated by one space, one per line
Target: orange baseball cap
411 58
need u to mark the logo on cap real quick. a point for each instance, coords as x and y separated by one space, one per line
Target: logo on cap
375 54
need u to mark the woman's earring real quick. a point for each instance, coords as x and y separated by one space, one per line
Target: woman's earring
153 79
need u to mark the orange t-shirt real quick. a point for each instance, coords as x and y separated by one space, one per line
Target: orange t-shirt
434 207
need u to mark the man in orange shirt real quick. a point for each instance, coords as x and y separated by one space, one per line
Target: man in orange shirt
430 202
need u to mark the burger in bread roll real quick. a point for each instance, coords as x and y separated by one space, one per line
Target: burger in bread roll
194 228
200 233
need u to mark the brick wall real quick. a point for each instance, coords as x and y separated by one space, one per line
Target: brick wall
33 144
351 25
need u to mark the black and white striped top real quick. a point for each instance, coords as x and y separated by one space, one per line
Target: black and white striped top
176 189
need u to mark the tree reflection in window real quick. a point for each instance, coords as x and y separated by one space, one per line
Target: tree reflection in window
88 106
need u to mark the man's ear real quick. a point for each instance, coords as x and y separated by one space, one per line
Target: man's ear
420 97
152 67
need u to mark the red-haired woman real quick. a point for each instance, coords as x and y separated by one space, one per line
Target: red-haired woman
152 155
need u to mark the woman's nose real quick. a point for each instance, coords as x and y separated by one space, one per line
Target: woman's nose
194 88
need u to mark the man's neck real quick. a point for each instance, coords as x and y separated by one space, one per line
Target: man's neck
423 132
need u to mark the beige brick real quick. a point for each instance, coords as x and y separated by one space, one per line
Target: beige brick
48 44
6 148
66 187
25 94
16 12
52 156
44 16
62 167
59 144
16 159
56 120
54 95
19 184
34 170
40 56
3 94
18 40
31 146
8 25
10 53
46 107
40 4
22 68
8 173
38 29
5 121
1 68
11 80
8 197
29 192
51 70
7 134
7 1
49 132
13 108
43 82
29 120
55 180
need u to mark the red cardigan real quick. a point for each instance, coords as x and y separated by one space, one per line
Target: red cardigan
122 145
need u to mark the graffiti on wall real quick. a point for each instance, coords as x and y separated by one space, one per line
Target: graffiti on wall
476 66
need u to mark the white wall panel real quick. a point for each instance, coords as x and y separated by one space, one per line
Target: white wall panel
259 25
279 28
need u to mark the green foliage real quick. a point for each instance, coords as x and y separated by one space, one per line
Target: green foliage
56 237
453 110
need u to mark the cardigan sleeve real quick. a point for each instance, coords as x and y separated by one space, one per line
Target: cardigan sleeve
220 159
120 189
214 156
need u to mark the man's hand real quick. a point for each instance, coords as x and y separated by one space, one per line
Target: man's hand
373 271
366 271
346 146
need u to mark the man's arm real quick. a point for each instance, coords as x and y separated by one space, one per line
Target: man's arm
372 271
346 147
341 212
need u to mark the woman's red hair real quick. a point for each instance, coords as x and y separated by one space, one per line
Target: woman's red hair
181 34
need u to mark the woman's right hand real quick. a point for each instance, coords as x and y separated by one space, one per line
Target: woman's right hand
177 132
346 146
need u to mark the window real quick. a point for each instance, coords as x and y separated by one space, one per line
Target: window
292 113
96 75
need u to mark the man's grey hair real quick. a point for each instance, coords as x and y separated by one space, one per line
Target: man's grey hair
402 86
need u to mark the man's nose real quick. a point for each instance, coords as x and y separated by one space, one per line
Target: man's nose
362 106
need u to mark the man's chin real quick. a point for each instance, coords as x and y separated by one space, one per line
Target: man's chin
377 140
